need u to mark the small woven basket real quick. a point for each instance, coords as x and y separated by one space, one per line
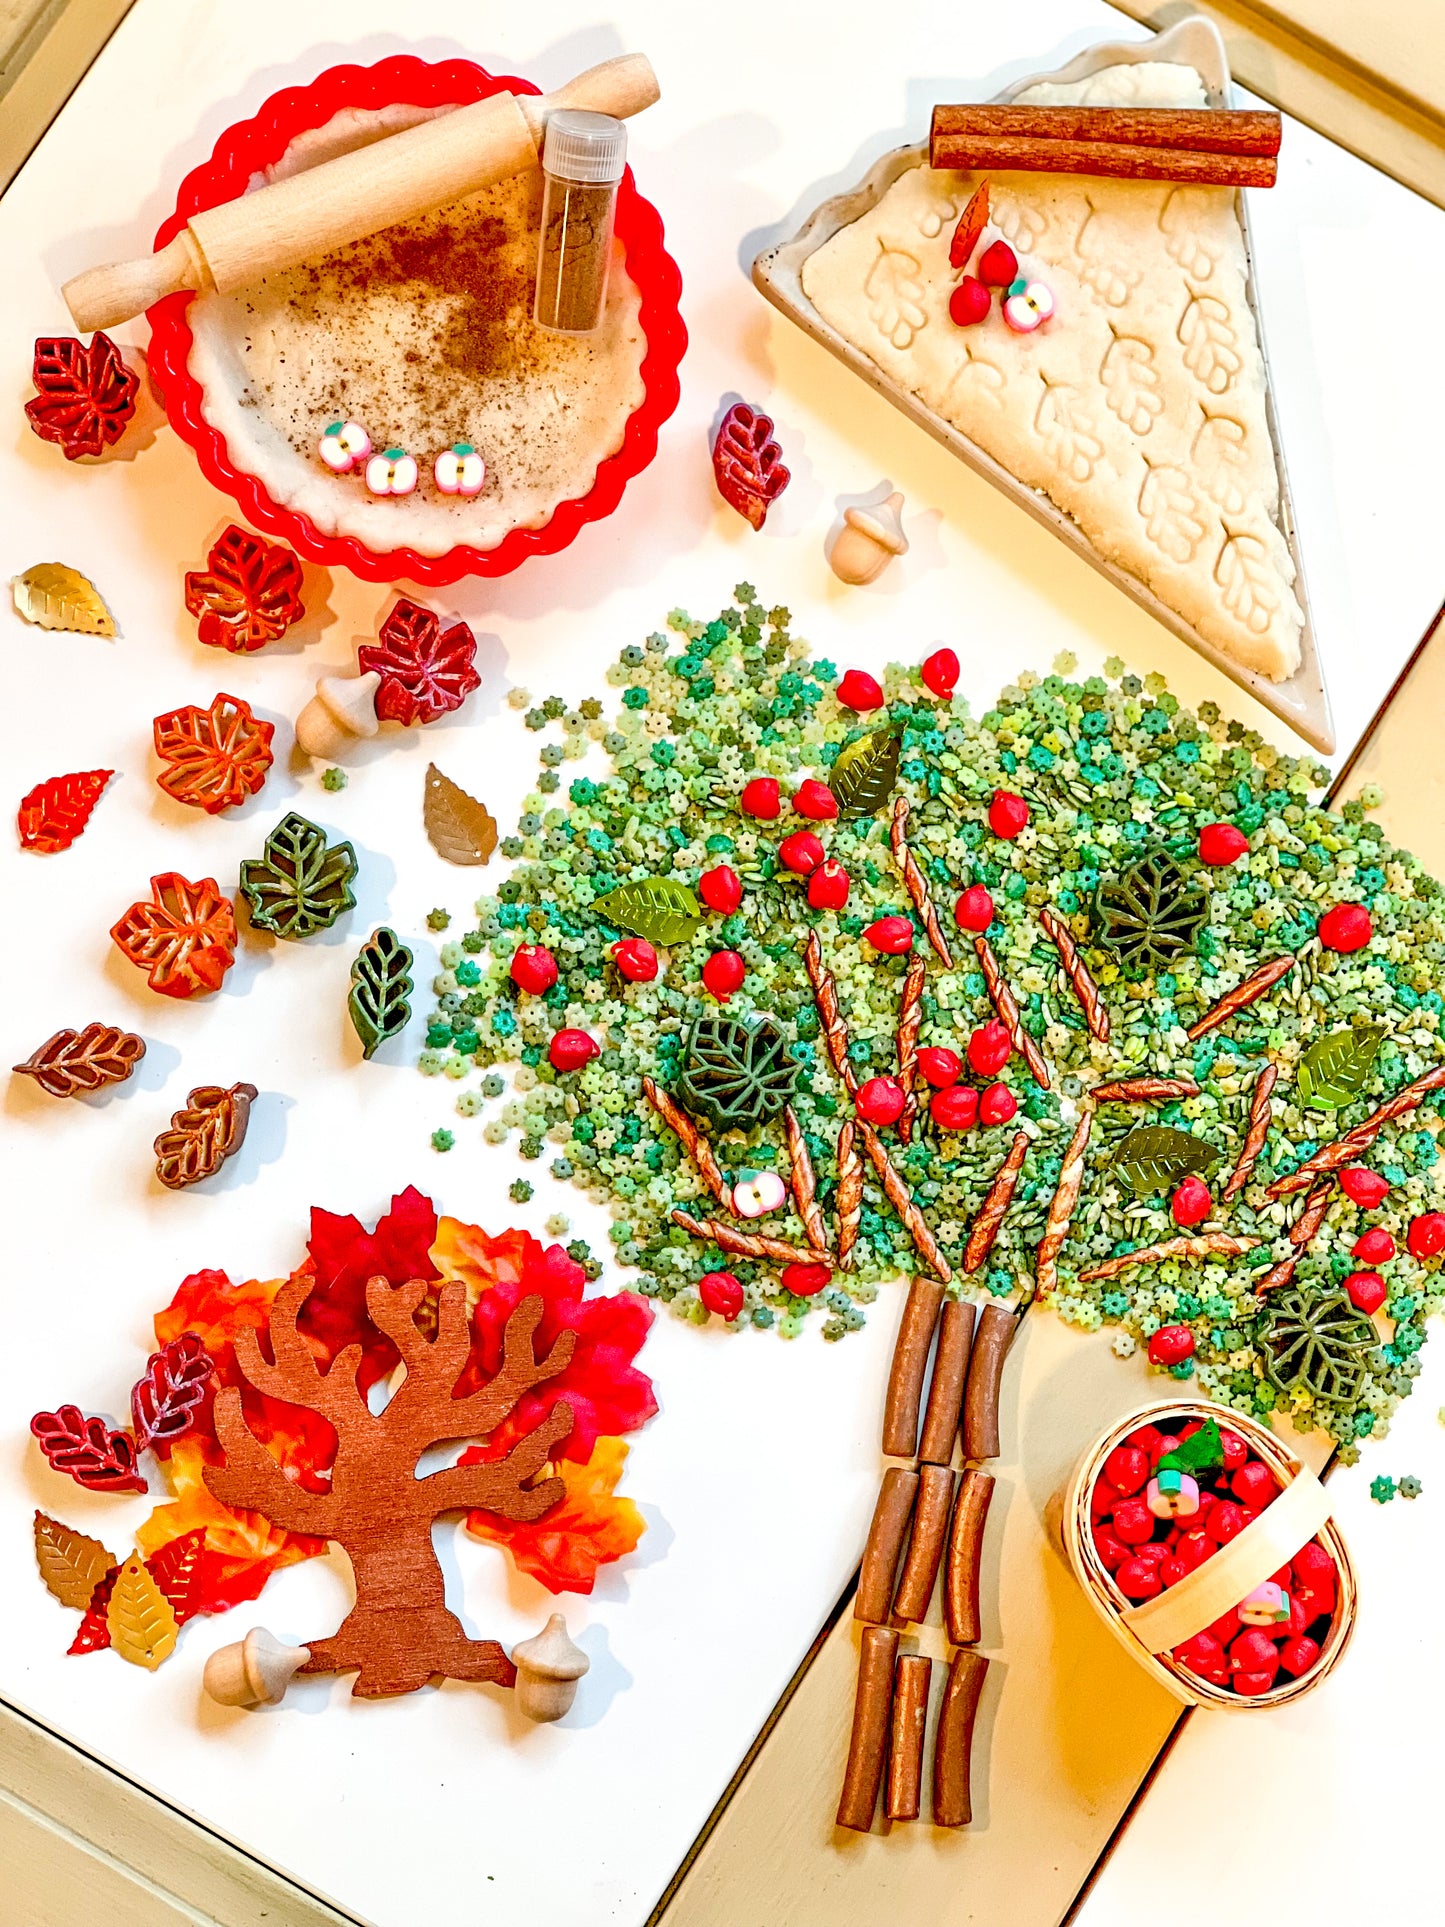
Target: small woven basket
1150 1629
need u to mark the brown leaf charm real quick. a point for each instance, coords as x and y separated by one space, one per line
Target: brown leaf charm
203 1135
459 828
71 1565
84 1060
140 1619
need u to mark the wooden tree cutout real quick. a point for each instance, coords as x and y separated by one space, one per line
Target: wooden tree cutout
400 1634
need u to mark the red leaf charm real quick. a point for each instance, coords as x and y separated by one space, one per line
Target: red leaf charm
748 463
185 937
176 1569
217 756
163 1404
88 1450
55 812
250 595
86 395
94 1633
424 672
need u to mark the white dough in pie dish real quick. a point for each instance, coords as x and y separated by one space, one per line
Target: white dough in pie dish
1139 409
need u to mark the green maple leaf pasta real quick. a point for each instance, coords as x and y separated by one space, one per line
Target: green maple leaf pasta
301 883
379 1004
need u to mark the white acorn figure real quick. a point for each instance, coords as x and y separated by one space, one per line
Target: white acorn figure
342 711
870 539
392 472
255 1671
459 470
343 445
548 1667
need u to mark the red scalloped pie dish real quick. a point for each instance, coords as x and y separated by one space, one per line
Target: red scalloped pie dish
249 147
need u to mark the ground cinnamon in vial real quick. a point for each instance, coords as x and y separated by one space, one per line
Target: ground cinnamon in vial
582 157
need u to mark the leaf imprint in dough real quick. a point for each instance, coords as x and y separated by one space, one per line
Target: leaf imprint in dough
1171 512
1207 337
975 379
1184 222
1131 383
1250 586
1067 432
1220 460
1103 246
1023 224
895 294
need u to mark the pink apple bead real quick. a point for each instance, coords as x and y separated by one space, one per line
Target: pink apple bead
1172 1495
1267 1605
756 1193
1028 305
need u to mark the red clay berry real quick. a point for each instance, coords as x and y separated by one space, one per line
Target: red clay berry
1226 1520
997 1105
569 1050
814 799
939 1067
1204 1657
801 853
858 690
1253 1485
955 1108
989 1049
1363 1186
892 935
974 909
720 1292
1347 927
880 1101
805 1281
721 889
534 968
1191 1203
1133 1522
1171 1345
940 673
1374 1247
1298 1655
998 265
1426 1236
636 960
1127 1469
1139 1579
723 973
762 797
1366 1291
1221 844
970 302
828 886
1007 814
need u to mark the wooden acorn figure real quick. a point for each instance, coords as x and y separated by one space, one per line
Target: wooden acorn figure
255 1671
342 712
548 1667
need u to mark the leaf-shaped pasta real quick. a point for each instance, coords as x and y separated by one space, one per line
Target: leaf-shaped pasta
381 986
301 883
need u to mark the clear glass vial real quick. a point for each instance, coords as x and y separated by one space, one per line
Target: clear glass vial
583 156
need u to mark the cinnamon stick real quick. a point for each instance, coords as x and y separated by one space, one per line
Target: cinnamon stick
945 1391
965 1542
953 1741
1204 130
925 1545
985 1371
868 1741
873 1600
911 1677
1109 159
910 1364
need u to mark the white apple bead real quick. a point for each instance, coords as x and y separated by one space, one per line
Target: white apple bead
1028 305
393 472
460 470
343 445
757 1193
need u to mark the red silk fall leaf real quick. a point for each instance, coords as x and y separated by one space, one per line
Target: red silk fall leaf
748 463
87 1450
55 812
217 757
344 1255
85 396
94 1634
424 672
184 937
163 1404
249 595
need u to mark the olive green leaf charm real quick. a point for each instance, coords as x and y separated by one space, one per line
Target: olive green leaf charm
662 909
736 1071
1154 1155
1316 1342
865 773
1336 1068
1150 914
301 884
380 987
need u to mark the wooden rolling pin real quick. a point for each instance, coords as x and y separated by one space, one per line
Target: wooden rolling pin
325 207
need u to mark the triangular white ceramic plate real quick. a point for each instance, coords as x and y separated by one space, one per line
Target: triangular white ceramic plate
1301 701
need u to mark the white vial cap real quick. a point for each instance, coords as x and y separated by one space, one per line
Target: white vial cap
584 147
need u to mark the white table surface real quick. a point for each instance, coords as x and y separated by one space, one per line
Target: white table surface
759 1473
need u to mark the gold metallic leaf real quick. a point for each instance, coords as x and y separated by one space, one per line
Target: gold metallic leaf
55 596
460 829
71 1565
141 1620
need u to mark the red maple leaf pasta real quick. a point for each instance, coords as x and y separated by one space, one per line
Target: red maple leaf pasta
184 938
86 396
249 595
53 814
425 670
215 757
